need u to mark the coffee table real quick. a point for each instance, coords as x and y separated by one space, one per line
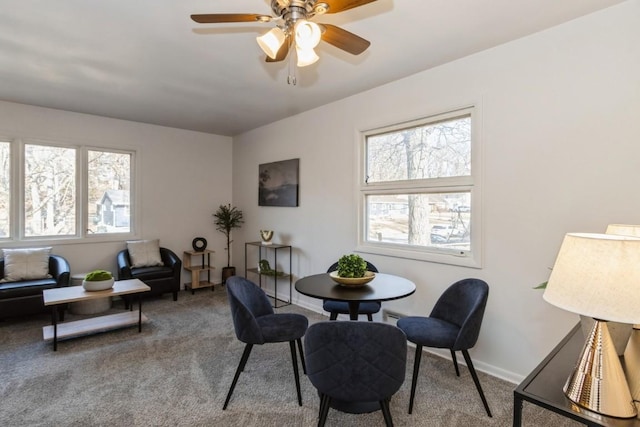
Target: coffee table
55 297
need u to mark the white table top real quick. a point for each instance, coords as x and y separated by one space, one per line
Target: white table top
78 293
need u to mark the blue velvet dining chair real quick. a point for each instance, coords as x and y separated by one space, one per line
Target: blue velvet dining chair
454 323
355 363
340 307
255 322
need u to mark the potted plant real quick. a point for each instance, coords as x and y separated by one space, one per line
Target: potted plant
98 280
227 218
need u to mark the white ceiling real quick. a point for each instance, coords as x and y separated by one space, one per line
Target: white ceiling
147 61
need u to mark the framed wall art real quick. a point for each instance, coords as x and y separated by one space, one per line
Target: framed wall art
278 183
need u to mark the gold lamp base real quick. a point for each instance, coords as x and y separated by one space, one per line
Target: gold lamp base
598 382
632 362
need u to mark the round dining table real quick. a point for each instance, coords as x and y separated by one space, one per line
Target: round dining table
384 287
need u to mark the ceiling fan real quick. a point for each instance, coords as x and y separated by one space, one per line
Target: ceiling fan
294 28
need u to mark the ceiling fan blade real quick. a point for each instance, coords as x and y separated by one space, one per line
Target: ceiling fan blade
219 18
343 39
336 6
282 52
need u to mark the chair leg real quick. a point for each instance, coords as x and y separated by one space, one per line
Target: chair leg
370 317
333 316
455 362
414 380
294 359
304 365
467 358
175 295
325 402
386 412
243 362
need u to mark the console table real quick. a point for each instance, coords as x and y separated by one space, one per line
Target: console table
543 387
275 275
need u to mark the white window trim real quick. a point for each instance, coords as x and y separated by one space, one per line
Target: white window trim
472 258
17 213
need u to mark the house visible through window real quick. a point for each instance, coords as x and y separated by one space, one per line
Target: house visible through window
419 190
65 192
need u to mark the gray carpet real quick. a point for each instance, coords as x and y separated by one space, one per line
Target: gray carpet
178 370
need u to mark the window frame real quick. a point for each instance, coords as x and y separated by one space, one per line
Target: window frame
17 214
470 183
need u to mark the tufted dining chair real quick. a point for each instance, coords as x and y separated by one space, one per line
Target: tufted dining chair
355 363
341 307
255 322
454 323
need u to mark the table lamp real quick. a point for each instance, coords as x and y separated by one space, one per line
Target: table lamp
598 275
632 352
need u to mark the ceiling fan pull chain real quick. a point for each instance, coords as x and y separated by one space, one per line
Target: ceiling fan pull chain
292 78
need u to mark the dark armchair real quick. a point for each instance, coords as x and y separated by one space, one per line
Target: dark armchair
255 323
454 323
356 366
25 297
161 279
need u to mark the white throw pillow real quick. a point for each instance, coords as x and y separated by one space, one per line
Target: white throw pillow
144 253
26 264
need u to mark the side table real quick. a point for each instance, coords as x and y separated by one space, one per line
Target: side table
543 387
203 267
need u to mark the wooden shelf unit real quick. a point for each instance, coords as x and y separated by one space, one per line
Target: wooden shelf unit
196 270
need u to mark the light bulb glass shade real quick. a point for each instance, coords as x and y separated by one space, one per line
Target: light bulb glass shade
597 275
307 34
306 57
624 230
271 42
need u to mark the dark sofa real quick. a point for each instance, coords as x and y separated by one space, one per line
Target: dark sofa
161 279
25 297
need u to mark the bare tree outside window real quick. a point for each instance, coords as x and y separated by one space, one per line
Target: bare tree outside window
49 191
5 190
418 182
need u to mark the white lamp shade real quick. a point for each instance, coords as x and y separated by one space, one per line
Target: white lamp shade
597 275
624 230
271 42
307 34
306 57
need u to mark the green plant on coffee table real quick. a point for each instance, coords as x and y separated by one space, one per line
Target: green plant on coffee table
98 275
351 266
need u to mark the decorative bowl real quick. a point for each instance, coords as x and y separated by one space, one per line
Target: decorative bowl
97 285
352 281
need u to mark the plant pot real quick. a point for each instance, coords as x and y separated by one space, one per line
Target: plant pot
620 332
97 285
227 272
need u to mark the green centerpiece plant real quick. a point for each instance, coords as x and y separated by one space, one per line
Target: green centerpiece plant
98 280
351 266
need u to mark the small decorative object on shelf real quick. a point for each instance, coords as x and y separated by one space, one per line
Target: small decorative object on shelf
266 236
98 280
199 244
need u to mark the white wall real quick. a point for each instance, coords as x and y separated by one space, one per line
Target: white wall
561 150
184 177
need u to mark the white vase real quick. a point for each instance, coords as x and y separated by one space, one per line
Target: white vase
620 332
97 285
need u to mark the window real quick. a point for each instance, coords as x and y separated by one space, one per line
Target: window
64 192
5 189
419 190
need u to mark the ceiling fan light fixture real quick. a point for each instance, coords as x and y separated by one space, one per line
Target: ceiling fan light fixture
306 56
307 34
271 42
